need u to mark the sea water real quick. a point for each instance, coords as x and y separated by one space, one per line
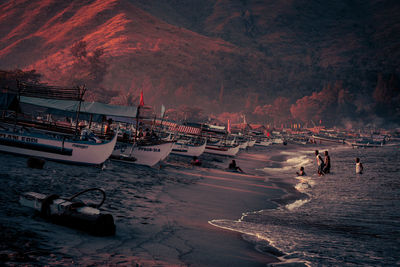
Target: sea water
342 218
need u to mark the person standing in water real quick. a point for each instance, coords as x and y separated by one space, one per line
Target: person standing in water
359 166
327 163
320 163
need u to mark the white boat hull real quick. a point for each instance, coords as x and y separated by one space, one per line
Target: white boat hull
327 140
222 150
252 143
148 155
43 146
244 145
188 149
263 143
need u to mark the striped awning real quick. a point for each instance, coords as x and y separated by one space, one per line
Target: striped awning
180 128
188 129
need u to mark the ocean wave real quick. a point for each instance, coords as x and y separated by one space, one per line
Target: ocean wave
257 234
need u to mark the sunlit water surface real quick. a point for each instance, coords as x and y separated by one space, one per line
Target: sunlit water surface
345 220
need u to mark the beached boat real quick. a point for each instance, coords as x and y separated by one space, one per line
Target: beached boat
263 142
142 153
189 148
224 150
54 146
327 139
277 140
243 144
362 142
252 142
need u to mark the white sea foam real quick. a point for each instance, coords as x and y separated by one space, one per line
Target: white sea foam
299 161
261 232
298 203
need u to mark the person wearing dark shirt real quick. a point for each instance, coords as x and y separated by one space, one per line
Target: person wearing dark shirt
327 163
233 166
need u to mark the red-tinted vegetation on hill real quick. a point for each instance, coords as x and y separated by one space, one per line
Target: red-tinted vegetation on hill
222 56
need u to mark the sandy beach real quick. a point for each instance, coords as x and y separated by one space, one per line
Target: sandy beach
162 215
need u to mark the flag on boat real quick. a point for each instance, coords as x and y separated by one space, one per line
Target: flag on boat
162 111
141 103
229 126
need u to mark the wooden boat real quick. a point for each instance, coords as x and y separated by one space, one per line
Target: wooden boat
263 142
327 139
143 153
54 146
369 143
252 142
224 150
243 144
189 148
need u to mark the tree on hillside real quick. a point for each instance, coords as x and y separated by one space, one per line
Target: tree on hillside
278 112
387 95
186 113
88 67
78 49
329 105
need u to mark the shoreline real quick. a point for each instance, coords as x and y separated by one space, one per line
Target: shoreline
162 215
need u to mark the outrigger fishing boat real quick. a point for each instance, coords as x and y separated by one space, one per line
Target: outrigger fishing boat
141 152
223 150
28 136
192 147
53 146
327 139
131 150
222 147
263 142
252 142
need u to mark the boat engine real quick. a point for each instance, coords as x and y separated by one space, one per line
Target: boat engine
75 214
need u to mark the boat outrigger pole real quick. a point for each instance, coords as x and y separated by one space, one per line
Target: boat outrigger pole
82 90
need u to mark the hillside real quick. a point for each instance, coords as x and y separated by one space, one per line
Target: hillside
219 55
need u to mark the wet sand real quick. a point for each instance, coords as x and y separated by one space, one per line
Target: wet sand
161 215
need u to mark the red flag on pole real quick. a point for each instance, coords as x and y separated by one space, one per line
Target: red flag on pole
229 126
141 104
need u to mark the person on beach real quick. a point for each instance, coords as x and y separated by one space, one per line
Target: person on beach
359 166
147 133
233 166
320 163
327 163
140 133
195 161
301 172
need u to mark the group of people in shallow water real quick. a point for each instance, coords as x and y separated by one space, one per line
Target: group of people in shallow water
324 165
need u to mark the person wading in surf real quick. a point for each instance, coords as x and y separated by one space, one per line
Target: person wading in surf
327 163
359 166
301 172
320 163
